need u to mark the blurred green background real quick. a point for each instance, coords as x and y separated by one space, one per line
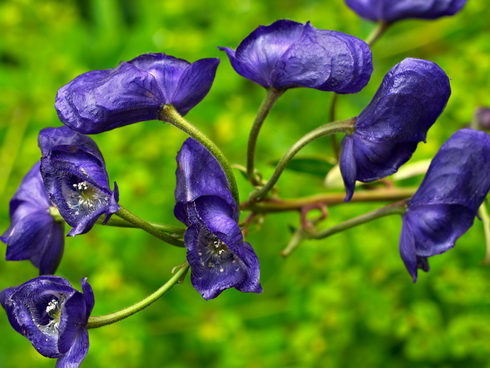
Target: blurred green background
346 301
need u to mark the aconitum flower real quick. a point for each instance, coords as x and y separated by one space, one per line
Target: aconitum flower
288 54
33 233
219 257
134 91
75 178
411 97
447 201
392 10
53 316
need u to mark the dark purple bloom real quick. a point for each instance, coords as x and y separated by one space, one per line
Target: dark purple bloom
33 233
392 10
288 54
411 97
219 257
447 201
134 91
53 316
75 178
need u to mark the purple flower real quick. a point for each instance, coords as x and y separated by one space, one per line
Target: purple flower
288 54
219 257
447 201
53 316
33 233
411 97
75 178
134 91
390 10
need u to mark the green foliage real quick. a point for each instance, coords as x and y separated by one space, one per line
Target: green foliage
346 301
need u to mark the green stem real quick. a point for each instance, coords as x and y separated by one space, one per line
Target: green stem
376 33
149 228
327 199
295 241
265 107
391 209
342 126
99 321
174 231
169 114
483 213
331 117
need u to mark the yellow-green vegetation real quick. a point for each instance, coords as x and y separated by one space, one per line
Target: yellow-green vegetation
346 301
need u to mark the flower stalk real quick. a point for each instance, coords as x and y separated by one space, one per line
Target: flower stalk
107 319
172 239
391 209
341 126
270 99
169 114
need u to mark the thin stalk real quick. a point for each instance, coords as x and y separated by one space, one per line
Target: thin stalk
149 228
327 199
331 117
99 321
391 209
483 213
169 114
270 99
295 241
377 32
342 126
174 231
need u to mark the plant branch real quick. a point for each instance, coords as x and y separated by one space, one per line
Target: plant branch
169 114
328 199
342 126
99 321
173 238
268 102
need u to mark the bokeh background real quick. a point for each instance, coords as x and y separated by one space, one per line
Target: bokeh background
346 301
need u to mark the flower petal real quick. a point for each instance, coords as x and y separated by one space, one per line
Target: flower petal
391 11
199 174
194 84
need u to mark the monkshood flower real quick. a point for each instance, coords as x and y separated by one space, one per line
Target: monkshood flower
288 54
134 91
392 10
447 201
75 178
33 233
411 97
219 257
53 316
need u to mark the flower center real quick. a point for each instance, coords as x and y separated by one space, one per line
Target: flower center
83 197
48 318
214 253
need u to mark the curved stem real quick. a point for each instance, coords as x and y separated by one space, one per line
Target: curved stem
169 114
376 33
327 199
99 321
174 231
331 117
149 228
265 107
391 209
342 126
483 213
